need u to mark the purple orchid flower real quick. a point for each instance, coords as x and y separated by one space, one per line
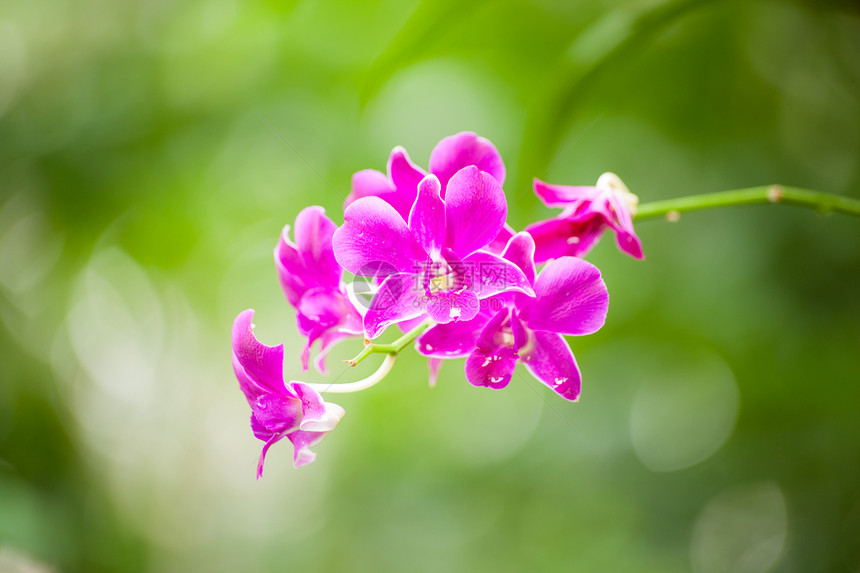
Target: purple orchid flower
570 299
400 187
588 212
294 411
311 279
432 263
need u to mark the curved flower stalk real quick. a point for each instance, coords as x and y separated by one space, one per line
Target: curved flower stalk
294 411
570 299
588 212
311 279
433 263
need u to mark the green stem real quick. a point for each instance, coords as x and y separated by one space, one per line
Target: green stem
821 202
358 385
395 347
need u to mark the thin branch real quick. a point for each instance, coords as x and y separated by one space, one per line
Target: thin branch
821 202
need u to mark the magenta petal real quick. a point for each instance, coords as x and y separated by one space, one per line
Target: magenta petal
313 234
400 297
319 416
446 306
462 150
475 210
321 309
302 441
497 245
551 361
563 195
520 250
492 275
452 340
571 298
629 243
260 431
397 188
249 387
622 224
277 413
374 238
262 364
406 176
433 367
313 406
492 362
427 218
291 268
369 183
564 237
275 438
491 367
520 332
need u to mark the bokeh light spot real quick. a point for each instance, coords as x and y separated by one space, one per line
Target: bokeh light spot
684 411
741 530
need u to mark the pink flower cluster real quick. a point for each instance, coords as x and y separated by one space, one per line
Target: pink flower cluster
434 245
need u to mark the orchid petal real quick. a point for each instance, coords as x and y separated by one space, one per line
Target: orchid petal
462 150
433 366
492 362
571 298
498 244
374 239
551 361
278 413
520 250
520 332
400 297
629 243
251 389
405 176
491 367
454 339
427 217
319 416
563 195
397 188
369 183
313 234
319 311
475 210
447 306
622 224
262 364
313 407
563 237
260 431
303 440
274 439
290 267
492 275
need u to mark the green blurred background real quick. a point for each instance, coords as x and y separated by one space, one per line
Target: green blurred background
150 153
